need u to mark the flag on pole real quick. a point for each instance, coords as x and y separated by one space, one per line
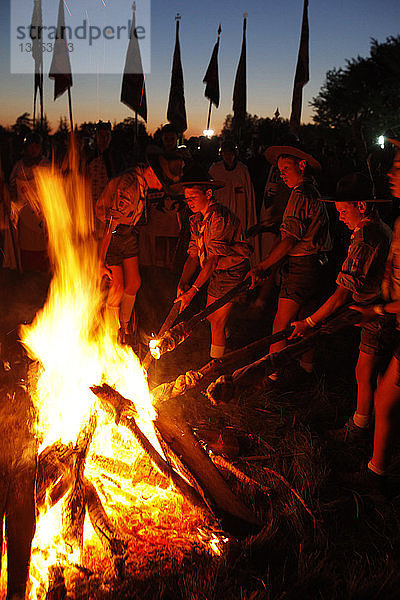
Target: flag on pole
37 55
133 90
60 69
211 77
176 112
239 90
302 75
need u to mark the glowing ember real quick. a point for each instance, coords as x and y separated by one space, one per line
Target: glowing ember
74 349
155 349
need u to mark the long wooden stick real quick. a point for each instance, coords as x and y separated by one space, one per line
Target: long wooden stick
223 389
180 332
216 367
169 321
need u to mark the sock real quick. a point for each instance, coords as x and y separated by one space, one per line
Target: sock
361 421
306 366
125 310
375 469
273 376
217 351
112 318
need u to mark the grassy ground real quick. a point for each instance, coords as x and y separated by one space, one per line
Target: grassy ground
323 537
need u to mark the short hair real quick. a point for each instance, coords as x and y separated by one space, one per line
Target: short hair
228 145
169 128
308 171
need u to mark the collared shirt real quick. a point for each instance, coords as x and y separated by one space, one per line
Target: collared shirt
364 267
125 196
306 219
223 237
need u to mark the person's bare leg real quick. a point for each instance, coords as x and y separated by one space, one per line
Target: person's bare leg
366 372
286 313
218 320
114 297
387 412
132 283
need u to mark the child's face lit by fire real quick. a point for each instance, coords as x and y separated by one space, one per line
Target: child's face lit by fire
351 213
197 198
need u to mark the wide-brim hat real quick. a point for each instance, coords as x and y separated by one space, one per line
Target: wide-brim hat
355 187
196 174
274 152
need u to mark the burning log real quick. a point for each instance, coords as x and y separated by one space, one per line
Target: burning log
124 412
186 450
55 474
62 469
104 528
224 388
180 332
74 506
184 445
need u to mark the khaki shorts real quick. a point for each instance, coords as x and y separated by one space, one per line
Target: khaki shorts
378 337
124 244
222 281
300 278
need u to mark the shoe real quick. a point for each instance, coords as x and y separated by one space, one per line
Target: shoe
350 433
367 482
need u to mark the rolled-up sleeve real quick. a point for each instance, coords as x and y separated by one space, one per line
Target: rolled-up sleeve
356 267
296 220
223 240
193 246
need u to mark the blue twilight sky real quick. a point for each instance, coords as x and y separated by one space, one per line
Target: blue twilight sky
339 30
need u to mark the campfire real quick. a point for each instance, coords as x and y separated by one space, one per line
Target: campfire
111 495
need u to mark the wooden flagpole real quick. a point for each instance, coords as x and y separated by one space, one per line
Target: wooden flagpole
209 115
70 109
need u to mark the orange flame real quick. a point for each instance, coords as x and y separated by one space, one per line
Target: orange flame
75 348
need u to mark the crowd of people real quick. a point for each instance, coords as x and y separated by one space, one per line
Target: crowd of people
202 221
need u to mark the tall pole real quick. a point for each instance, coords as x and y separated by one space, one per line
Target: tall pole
70 109
209 115
41 101
211 79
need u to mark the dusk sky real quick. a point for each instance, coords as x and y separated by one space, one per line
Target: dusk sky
339 30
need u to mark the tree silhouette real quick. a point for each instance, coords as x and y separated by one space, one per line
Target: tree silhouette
365 95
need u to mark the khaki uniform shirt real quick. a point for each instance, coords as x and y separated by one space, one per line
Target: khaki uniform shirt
223 237
362 271
306 219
